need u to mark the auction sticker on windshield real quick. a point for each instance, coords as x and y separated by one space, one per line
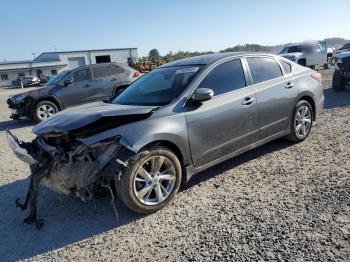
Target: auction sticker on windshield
187 70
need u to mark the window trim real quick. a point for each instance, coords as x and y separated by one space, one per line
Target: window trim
285 73
210 69
75 70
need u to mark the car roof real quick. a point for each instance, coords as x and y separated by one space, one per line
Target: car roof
210 58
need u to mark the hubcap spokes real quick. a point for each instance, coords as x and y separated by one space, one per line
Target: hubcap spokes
155 180
45 111
303 120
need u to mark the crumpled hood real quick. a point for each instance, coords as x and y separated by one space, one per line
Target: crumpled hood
103 114
37 90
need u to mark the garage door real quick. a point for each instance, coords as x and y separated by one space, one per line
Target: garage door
75 62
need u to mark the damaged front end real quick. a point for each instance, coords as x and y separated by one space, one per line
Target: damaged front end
66 165
59 158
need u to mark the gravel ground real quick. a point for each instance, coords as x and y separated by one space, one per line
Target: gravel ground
281 201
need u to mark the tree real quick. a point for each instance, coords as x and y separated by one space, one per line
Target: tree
154 54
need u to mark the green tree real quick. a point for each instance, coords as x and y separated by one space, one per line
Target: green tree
154 54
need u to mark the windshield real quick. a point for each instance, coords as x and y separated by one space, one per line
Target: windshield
56 79
292 49
159 87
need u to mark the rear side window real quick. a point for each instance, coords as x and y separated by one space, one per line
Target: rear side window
100 71
114 69
263 69
225 78
287 67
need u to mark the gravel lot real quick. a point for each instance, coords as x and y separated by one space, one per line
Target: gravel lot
281 201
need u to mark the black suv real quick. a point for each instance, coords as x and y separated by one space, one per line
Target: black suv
72 87
341 76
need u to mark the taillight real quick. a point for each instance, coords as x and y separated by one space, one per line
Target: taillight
317 76
137 74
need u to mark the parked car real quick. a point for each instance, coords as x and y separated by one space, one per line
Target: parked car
172 123
341 75
26 81
344 48
72 87
44 79
307 54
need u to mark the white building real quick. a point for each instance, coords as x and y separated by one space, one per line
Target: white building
50 63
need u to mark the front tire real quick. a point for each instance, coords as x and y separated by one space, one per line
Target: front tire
338 82
43 110
150 181
301 122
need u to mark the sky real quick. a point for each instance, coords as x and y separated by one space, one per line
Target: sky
35 26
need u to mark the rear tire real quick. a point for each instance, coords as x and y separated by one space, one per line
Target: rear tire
325 66
141 174
299 121
338 82
44 110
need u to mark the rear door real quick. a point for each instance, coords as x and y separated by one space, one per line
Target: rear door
276 93
102 84
227 122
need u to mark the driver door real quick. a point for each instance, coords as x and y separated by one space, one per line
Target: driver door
78 90
227 122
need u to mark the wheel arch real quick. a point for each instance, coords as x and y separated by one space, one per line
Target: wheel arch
175 149
51 99
310 99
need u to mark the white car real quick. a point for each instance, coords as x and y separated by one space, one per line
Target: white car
307 54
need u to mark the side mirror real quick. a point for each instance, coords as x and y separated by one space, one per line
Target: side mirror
106 100
67 82
202 94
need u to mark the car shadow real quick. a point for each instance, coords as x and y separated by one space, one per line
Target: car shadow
68 220
14 124
336 99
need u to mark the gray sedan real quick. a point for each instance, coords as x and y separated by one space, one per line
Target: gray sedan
171 123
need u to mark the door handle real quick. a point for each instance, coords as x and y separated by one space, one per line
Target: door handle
113 79
248 101
289 85
87 85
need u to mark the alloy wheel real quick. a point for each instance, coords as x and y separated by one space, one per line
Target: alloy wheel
303 121
45 111
154 180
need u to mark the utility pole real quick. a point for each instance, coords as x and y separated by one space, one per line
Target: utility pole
54 45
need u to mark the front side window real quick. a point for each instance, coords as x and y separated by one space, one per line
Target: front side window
158 87
80 75
100 71
263 69
224 78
